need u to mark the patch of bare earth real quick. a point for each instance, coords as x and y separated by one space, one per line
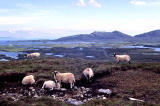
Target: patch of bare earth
140 84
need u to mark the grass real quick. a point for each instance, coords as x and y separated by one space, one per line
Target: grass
11 49
114 102
138 80
42 101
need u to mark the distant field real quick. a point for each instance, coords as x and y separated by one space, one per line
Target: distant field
91 51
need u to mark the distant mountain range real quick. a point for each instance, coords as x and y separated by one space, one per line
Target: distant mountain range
113 37
151 37
97 36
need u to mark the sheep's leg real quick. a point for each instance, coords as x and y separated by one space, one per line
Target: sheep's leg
88 79
71 85
51 89
129 62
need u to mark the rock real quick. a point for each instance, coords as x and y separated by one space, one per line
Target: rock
81 96
104 98
53 96
87 89
63 89
35 96
133 99
107 91
74 102
32 88
75 88
82 88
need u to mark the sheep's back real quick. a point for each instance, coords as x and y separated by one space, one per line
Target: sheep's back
123 57
28 80
88 72
67 77
49 84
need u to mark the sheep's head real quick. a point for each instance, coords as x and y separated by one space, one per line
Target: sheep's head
58 85
54 74
115 54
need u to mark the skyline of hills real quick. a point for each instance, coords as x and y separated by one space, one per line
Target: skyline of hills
96 36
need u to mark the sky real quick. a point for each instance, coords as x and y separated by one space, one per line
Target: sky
60 18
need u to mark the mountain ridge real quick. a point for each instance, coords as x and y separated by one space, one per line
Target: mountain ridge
98 36
113 37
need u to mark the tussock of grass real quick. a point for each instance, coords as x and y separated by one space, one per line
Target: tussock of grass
115 102
42 101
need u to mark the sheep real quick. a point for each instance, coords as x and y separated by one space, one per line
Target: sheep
51 85
120 58
65 78
28 80
88 73
31 55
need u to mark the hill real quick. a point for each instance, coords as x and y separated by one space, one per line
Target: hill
149 37
101 37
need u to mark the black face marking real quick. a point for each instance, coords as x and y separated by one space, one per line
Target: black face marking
114 54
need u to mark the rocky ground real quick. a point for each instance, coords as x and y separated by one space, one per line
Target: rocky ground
112 83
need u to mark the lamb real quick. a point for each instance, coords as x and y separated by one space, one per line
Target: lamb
65 78
31 55
88 73
120 58
51 85
28 80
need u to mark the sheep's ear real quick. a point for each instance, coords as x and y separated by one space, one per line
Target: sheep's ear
56 81
54 73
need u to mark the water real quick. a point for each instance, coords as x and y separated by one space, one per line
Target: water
157 49
59 55
90 56
143 47
4 60
49 54
11 54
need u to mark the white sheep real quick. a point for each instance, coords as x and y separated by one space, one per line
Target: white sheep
121 58
65 78
27 80
32 55
51 85
88 73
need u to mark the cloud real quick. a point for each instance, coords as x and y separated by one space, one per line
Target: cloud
4 10
138 3
12 20
24 5
145 2
92 3
81 3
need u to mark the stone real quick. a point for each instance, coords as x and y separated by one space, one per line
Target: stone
107 91
74 102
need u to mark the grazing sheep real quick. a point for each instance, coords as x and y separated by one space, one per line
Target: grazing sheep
27 80
32 55
88 73
120 58
51 85
65 78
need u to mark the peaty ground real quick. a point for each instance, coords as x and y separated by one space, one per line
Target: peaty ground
137 80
